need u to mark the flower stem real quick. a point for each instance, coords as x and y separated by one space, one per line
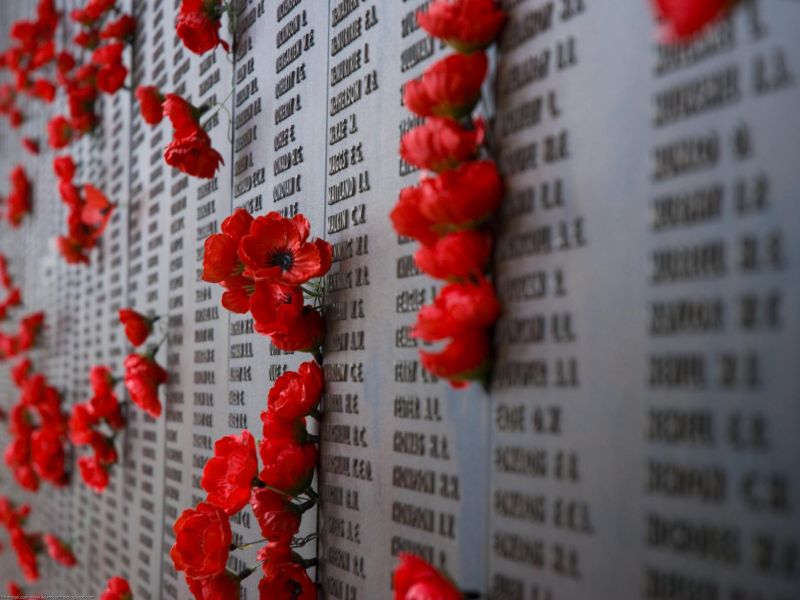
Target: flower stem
247 545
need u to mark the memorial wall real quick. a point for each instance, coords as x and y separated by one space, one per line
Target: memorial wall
637 435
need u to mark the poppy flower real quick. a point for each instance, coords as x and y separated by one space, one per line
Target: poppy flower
87 38
111 73
20 371
441 143
94 475
44 90
97 209
47 454
58 550
286 581
463 197
31 145
277 516
117 588
72 251
80 424
280 432
26 553
198 24
465 358
414 579
467 25
150 101
456 255
193 155
59 132
228 475
220 258
408 219
296 394
225 586
104 450
236 297
303 334
277 249
275 305
26 477
684 19
202 541
64 167
142 378
119 29
288 467
101 380
183 116
137 326
449 88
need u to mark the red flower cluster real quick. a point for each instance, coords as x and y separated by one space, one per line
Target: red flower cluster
38 432
89 213
449 212
232 479
683 19
27 334
104 73
117 588
32 49
414 579
85 428
262 263
198 25
190 150
18 203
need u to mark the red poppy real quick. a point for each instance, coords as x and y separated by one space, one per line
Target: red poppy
44 90
104 450
449 88
110 78
58 550
238 290
59 132
467 25
275 305
65 62
415 579
457 255
198 25
441 143
72 251
20 371
104 406
277 249
26 478
96 210
225 586
686 18
26 553
150 100
408 220
64 167
30 145
296 394
88 38
288 467
101 379
279 432
278 517
137 326
463 197
119 29
94 475
202 541
193 155
117 588
228 475
182 114
47 454
80 424
142 378
304 334
286 581
220 258
465 358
